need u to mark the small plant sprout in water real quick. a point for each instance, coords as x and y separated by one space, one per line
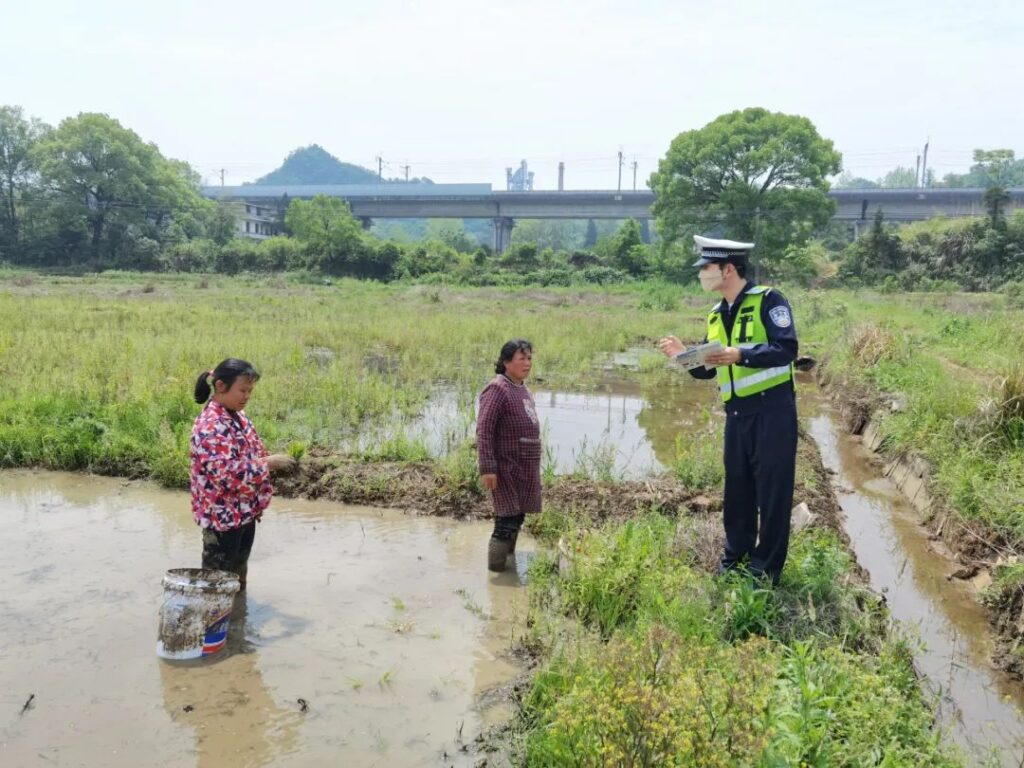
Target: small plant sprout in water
471 605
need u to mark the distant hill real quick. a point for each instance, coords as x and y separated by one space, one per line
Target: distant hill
315 165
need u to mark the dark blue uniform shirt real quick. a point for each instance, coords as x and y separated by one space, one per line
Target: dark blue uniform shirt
781 349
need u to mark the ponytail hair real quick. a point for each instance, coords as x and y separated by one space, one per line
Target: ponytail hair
508 351
227 371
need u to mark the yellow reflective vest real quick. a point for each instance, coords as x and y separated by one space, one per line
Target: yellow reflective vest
747 331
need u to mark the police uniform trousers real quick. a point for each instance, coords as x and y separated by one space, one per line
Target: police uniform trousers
760 469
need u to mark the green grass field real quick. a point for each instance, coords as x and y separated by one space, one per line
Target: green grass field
98 372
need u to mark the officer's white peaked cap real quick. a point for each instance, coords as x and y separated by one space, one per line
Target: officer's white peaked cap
716 251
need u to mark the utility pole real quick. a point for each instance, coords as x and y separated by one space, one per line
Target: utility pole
406 169
380 168
634 173
757 238
917 172
561 176
620 171
924 164
222 172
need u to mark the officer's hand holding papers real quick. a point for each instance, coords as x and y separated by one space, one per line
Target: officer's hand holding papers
706 355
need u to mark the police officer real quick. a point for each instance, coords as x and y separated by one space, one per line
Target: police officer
754 370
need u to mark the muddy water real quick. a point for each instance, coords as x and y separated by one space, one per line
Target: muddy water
387 626
980 707
621 427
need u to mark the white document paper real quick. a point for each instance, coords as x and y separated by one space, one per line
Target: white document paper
695 357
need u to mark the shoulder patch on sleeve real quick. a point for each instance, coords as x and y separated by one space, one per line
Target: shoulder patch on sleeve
780 316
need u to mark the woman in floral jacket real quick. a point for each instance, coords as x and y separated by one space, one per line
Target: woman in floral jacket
508 448
230 467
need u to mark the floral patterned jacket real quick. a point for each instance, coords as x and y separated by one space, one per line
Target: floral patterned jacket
230 484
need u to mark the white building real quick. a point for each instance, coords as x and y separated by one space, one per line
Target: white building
256 221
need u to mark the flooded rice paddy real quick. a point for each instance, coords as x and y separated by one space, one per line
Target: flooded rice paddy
386 626
619 428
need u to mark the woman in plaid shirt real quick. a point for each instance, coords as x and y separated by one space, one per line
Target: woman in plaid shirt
509 450
230 468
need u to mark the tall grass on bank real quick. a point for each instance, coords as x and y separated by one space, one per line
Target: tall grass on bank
954 363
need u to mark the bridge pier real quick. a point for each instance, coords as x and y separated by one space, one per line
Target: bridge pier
503 233
645 231
366 222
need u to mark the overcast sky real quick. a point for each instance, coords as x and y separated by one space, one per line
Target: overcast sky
460 89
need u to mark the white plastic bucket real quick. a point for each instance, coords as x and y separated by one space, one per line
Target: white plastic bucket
195 613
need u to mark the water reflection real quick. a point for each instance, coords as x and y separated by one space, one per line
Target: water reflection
622 428
225 702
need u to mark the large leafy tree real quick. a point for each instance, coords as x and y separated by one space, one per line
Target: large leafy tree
992 168
332 235
749 175
121 187
18 135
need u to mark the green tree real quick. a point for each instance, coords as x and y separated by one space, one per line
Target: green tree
222 223
333 236
996 199
121 187
992 168
521 258
556 234
998 166
875 256
626 250
17 137
758 175
847 180
451 232
899 178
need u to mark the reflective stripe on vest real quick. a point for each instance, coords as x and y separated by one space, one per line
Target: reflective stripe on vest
738 380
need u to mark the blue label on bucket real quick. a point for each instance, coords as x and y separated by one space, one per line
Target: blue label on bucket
216 634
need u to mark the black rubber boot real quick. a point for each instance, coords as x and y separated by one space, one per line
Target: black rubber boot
497 553
512 546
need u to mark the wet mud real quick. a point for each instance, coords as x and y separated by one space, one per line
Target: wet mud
366 637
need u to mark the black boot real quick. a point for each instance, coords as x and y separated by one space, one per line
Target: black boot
512 546
497 554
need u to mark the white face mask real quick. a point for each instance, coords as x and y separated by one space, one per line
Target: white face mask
711 281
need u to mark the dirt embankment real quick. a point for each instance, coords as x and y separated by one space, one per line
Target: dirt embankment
424 488
974 552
